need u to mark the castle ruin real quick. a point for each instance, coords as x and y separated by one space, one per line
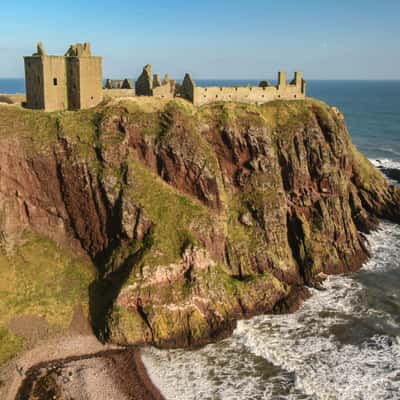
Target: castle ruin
151 85
262 93
69 82
74 81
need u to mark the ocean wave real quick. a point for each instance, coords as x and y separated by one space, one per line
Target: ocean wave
386 163
337 346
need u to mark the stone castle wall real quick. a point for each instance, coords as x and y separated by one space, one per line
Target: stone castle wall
34 83
246 94
115 93
165 91
90 77
69 82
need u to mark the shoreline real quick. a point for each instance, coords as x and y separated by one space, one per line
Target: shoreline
129 375
109 374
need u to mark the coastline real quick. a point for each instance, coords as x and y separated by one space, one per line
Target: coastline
126 373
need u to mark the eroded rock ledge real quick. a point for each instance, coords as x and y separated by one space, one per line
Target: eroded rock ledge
193 217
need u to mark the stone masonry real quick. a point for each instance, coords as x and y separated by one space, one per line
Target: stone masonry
151 85
263 93
69 82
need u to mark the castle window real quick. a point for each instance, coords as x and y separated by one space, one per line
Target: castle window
91 98
294 96
55 82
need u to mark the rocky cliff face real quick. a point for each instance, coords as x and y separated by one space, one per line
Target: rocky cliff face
193 217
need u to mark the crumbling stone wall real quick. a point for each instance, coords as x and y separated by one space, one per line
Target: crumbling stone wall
118 84
151 85
144 84
188 88
115 93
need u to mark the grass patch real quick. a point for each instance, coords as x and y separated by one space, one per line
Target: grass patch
41 279
10 345
175 215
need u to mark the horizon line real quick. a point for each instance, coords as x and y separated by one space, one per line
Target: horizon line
257 79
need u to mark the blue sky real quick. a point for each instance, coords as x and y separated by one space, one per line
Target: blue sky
336 39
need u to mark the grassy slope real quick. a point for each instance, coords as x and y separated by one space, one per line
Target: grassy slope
40 279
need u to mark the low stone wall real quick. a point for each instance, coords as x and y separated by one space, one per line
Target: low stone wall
119 92
164 91
205 95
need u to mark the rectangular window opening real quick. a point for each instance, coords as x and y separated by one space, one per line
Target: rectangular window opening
55 82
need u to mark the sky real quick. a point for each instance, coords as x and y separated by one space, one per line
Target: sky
211 39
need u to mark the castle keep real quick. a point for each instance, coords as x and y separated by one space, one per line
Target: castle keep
68 82
74 81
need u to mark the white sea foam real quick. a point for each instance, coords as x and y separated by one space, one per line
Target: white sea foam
314 353
386 163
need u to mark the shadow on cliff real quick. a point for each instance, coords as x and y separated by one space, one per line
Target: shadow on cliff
104 291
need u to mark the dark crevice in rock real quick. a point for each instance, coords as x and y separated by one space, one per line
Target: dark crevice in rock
296 240
104 291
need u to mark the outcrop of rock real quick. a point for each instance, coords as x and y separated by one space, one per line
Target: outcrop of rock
193 217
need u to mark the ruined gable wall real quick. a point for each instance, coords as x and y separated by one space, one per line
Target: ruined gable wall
34 87
144 84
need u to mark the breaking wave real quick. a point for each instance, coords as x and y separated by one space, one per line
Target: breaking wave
386 163
343 344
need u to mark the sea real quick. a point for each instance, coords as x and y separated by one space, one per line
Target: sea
344 342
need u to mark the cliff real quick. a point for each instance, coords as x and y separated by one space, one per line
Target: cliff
167 222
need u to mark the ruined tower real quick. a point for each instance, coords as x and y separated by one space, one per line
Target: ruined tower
72 81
